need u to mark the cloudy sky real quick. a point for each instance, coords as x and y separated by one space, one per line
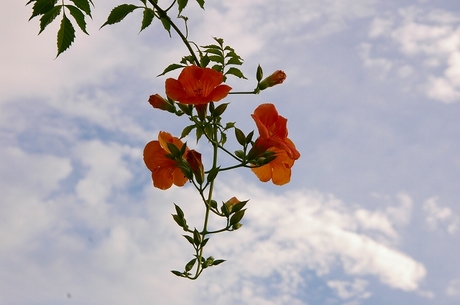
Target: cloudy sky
371 216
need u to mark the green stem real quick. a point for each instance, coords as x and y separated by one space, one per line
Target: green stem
163 14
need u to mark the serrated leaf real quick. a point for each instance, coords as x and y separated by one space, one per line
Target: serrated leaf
236 72
65 35
218 59
78 16
214 51
182 4
48 17
170 68
83 5
42 7
166 24
119 13
234 61
147 18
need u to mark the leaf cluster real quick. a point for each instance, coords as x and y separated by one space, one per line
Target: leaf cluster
48 10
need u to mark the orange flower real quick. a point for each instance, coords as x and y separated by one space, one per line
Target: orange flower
165 171
196 86
273 131
275 78
278 170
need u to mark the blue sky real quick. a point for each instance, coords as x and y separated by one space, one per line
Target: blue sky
371 215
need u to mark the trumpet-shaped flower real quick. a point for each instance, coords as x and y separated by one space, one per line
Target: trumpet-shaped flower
165 171
273 131
275 78
197 86
278 170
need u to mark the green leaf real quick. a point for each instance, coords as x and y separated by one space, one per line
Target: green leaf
182 4
213 174
201 3
148 16
190 239
178 273
234 61
42 7
237 217
119 13
186 131
237 207
236 72
170 68
166 24
179 211
196 237
216 58
48 17
83 5
217 262
240 136
65 35
78 16
190 265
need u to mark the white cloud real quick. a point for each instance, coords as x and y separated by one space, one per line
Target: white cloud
429 37
453 288
437 216
347 290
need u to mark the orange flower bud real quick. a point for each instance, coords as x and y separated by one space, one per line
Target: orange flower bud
160 103
194 160
275 78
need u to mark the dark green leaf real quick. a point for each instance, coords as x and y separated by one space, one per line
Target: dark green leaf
225 210
65 35
238 206
179 211
178 273
42 7
218 261
48 17
171 67
182 4
220 109
166 24
83 5
236 72
190 239
212 174
196 237
190 265
237 217
240 137
147 18
186 131
201 3
218 59
78 16
119 13
204 242
173 150
234 61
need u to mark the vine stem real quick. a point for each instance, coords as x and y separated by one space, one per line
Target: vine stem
164 14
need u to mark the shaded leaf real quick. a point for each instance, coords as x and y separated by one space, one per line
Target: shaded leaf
147 18
83 5
236 72
201 3
178 273
171 67
119 13
65 35
237 217
48 17
186 131
42 7
182 4
78 16
217 262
